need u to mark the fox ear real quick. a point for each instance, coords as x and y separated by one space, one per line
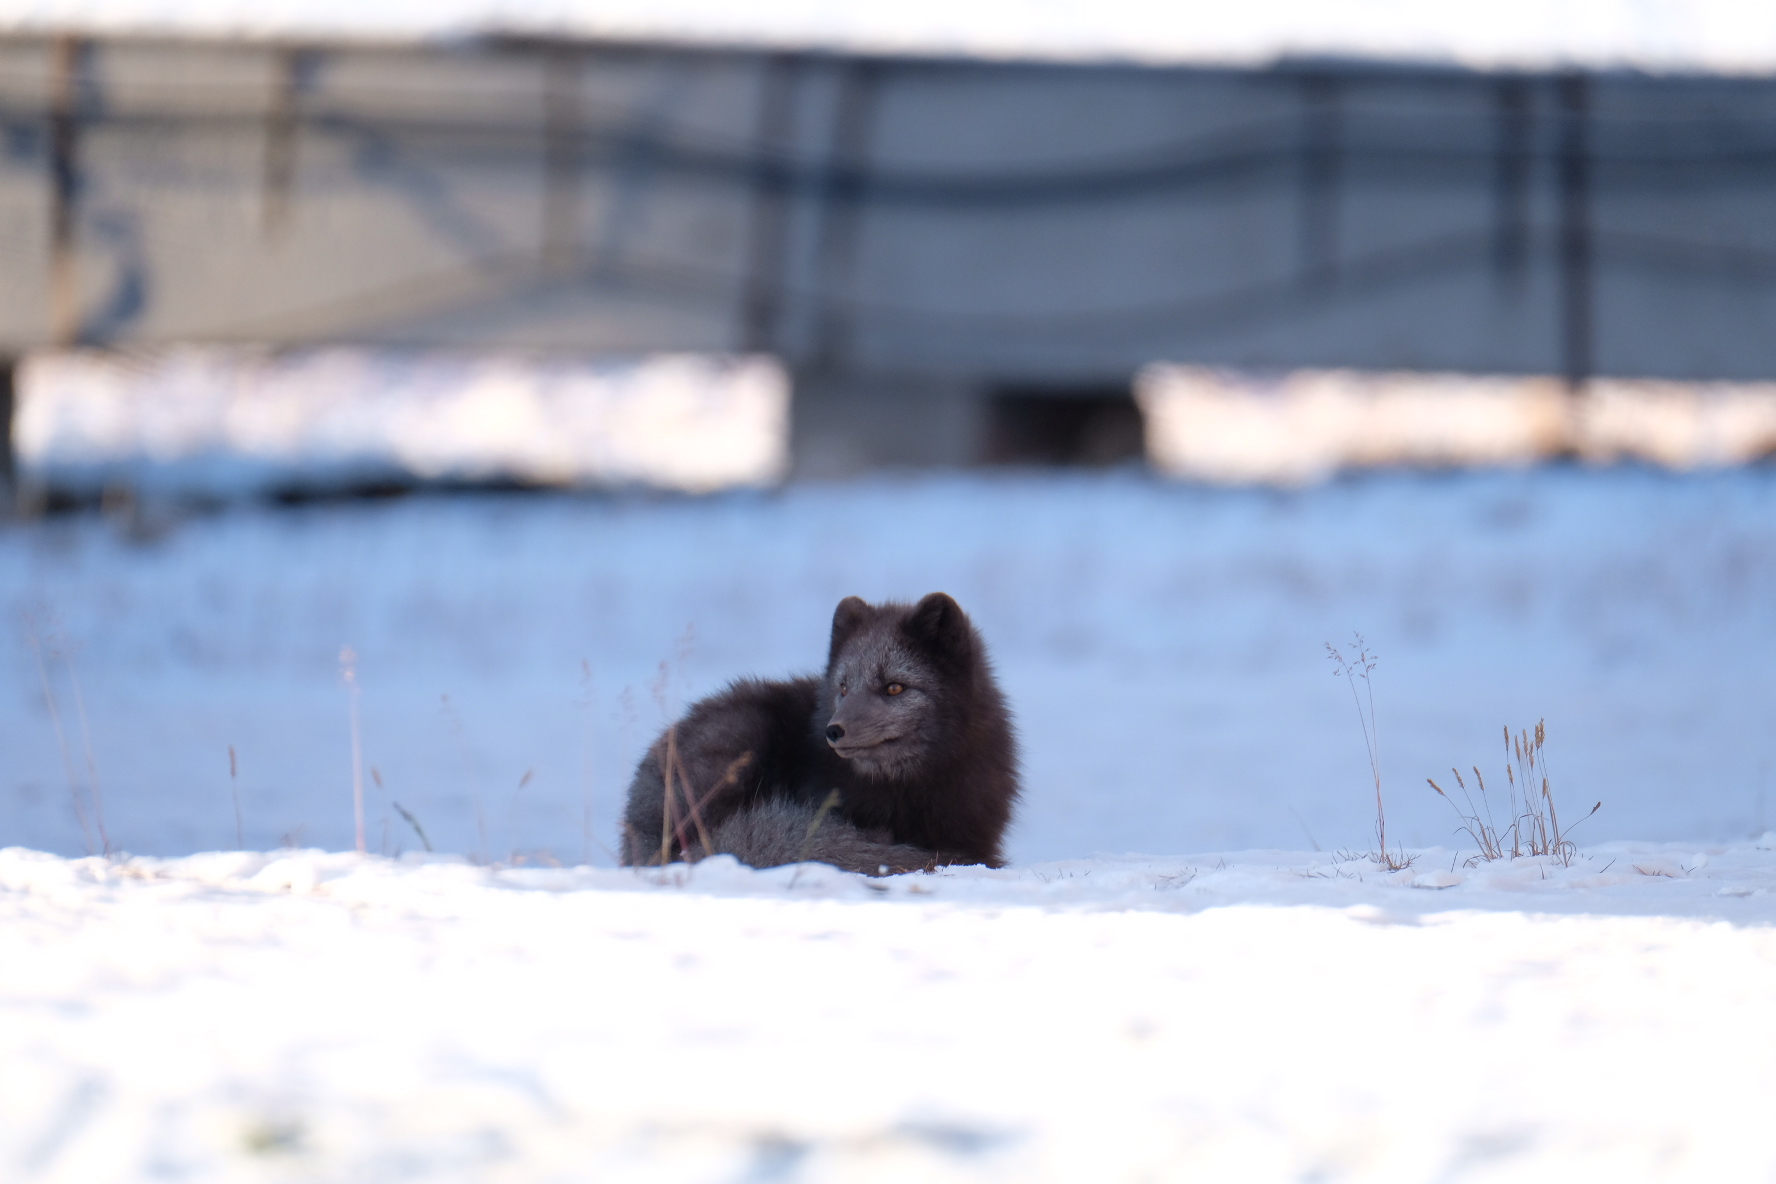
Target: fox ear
846 618
939 622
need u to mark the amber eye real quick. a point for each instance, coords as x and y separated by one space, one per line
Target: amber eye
895 688
844 688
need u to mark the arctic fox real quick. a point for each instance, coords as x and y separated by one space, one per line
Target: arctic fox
901 757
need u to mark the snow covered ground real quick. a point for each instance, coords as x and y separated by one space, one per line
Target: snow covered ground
1269 1012
1270 1016
1162 647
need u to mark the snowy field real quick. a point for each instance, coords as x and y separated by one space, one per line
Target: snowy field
1115 1006
1162 647
1265 1017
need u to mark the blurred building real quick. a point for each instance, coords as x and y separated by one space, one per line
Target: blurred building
962 237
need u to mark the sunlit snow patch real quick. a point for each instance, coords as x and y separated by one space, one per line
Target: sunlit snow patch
1302 426
232 420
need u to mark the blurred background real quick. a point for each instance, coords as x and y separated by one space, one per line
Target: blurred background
565 360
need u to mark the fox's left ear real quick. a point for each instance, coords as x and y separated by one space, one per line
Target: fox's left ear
940 623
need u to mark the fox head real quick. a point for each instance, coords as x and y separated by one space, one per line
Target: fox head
898 679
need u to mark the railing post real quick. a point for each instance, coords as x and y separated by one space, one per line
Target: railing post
773 192
1513 129
1577 327
67 63
283 117
563 70
844 193
1322 151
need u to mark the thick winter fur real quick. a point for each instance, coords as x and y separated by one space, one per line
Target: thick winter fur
907 726
780 831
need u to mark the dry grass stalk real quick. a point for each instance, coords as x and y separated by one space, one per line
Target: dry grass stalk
240 843
691 814
1358 665
55 720
348 670
695 806
1535 827
826 807
413 822
588 783
89 808
1481 829
668 764
454 721
516 855
92 765
674 838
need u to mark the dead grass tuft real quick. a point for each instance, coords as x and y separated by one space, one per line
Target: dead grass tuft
1534 827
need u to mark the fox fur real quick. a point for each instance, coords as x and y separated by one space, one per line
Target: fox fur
900 757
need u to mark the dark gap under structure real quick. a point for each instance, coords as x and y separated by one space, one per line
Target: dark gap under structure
1092 426
8 455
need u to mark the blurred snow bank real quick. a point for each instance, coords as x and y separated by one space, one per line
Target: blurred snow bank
224 421
1219 425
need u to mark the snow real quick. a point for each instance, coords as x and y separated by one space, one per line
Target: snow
1161 644
1306 425
224 421
1711 35
1266 1016
1227 1006
228 421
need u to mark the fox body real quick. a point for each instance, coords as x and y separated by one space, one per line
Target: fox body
901 756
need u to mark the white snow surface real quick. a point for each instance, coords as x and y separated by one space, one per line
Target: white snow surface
1735 36
1259 1013
1304 426
232 421
1258 1016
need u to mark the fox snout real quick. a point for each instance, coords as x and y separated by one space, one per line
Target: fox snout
844 730
857 725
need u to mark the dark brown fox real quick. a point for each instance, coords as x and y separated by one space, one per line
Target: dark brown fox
902 757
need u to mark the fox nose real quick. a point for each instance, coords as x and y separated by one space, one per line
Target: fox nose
834 733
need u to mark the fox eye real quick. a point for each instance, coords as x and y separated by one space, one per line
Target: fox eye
844 688
894 688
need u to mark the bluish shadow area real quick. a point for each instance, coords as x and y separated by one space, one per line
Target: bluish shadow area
1162 645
